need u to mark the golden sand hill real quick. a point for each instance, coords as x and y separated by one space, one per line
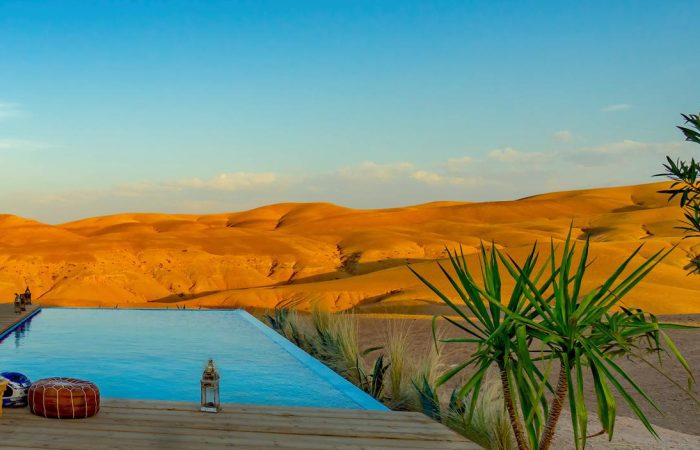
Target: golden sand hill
339 256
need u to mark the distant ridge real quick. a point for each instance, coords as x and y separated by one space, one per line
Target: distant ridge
322 252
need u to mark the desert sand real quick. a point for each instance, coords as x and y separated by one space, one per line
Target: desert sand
339 256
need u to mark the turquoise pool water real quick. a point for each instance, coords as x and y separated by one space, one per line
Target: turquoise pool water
160 355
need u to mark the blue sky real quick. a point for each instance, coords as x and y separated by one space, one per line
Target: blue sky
170 106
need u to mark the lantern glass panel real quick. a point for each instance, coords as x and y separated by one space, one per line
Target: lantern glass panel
210 391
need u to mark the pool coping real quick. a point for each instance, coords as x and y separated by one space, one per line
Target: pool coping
19 323
346 388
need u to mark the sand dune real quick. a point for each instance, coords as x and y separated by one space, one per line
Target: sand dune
322 252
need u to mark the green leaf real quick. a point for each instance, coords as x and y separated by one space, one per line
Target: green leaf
605 399
581 410
680 359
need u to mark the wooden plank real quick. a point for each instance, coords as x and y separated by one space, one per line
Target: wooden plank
177 427
401 423
266 409
386 419
302 426
162 437
299 427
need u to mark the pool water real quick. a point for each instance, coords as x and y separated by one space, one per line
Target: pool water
160 355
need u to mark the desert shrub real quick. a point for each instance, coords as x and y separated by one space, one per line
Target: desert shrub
488 425
423 394
400 364
402 378
686 178
333 339
287 322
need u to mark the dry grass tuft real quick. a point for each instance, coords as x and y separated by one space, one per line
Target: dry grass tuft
400 362
489 425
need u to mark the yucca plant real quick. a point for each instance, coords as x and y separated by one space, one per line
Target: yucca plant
578 330
647 344
494 333
428 398
374 382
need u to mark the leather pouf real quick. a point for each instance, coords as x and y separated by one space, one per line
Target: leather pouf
64 398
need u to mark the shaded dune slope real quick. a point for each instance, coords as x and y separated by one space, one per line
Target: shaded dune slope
342 257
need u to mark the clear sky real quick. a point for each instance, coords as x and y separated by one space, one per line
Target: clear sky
171 106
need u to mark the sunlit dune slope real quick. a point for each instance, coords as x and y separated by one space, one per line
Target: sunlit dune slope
342 257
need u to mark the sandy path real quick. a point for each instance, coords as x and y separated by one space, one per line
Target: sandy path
680 414
629 434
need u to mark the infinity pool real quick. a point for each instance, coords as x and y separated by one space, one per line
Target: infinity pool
160 355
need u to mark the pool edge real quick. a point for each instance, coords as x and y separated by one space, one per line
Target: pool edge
349 390
18 324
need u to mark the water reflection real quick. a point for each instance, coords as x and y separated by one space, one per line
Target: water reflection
19 333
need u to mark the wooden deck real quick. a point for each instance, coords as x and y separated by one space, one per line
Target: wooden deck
135 424
8 317
132 424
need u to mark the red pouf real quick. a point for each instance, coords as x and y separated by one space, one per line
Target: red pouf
64 398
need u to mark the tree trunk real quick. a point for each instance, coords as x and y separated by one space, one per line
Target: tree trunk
555 410
512 414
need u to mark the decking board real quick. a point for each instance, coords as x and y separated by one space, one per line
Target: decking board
115 427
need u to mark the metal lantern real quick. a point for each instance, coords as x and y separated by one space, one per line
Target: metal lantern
210 389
